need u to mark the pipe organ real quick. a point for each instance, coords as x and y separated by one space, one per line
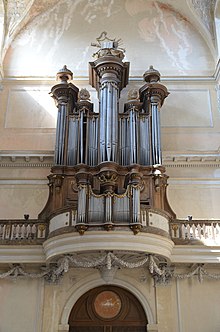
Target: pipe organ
108 165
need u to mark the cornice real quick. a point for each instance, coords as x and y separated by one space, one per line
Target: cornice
195 254
22 254
179 254
50 80
45 159
210 159
29 159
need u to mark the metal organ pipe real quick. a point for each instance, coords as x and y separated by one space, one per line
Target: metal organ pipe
103 95
136 209
152 96
108 112
82 208
114 122
156 143
60 134
108 121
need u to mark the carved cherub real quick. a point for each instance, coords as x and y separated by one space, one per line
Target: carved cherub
84 94
133 94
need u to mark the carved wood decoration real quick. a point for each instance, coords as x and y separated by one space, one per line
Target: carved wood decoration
107 309
108 167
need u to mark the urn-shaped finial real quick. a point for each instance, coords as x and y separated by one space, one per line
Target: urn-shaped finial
64 75
151 75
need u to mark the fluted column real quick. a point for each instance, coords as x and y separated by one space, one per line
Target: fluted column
65 95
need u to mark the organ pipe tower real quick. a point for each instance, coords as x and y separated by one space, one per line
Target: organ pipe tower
108 172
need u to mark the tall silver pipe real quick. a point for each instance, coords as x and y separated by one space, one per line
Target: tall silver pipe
57 138
108 112
82 204
114 123
136 210
156 145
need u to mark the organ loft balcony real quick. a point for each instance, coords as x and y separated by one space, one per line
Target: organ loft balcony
107 188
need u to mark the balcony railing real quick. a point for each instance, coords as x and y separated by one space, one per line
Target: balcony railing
181 231
32 231
205 231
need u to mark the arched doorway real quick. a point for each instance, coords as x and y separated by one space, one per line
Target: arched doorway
107 309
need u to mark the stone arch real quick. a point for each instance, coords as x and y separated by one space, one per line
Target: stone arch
88 284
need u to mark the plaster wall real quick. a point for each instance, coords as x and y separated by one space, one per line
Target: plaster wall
190 125
181 306
190 117
21 305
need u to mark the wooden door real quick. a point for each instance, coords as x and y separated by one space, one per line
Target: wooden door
107 309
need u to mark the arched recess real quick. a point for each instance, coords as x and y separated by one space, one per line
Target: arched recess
107 308
87 284
217 25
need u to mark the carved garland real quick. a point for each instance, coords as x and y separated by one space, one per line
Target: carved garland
161 274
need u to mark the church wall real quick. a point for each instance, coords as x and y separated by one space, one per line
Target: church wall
160 36
21 305
179 306
190 127
189 116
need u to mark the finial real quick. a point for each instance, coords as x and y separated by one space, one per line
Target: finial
151 75
64 75
108 46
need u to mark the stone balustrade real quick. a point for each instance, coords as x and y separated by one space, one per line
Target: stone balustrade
23 230
206 231
181 231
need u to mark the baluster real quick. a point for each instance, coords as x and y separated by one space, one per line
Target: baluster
14 232
183 229
21 231
199 228
193 234
28 231
217 231
1 231
34 231
204 228
18 231
8 231
213 231
25 231
188 230
178 231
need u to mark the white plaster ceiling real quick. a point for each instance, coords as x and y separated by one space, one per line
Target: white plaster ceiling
39 36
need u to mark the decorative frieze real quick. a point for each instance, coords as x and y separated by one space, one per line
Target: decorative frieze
108 263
